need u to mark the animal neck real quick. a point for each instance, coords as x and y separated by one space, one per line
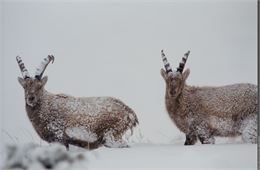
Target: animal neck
37 116
172 103
175 104
35 113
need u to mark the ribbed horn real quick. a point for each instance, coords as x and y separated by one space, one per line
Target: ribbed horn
40 70
24 71
183 62
166 63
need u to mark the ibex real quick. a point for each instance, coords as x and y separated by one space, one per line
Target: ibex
87 122
205 112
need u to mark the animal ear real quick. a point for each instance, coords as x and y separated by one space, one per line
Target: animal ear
21 81
163 73
186 74
44 80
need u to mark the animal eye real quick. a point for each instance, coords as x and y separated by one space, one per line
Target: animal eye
39 87
39 84
172 92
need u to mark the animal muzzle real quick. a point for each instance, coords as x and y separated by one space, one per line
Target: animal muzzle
31 100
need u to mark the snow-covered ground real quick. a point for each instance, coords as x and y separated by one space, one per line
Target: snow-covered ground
138 156
113 49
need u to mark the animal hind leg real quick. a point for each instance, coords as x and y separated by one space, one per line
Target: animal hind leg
207 139
249 129
84 144
191 139
113 139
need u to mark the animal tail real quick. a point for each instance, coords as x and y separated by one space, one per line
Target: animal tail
131 118
133 121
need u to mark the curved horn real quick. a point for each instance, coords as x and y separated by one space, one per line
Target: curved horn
40 70
166 63
24 71
183 62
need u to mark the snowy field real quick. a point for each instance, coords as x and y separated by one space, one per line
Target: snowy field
113 49
238 156
138 156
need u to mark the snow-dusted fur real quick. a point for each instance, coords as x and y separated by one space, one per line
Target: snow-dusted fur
87 122
205 112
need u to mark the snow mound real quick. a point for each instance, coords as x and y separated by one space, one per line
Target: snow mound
32 156
134 136
81 133
174 156
138 156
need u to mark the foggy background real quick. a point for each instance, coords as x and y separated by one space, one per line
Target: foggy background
113 49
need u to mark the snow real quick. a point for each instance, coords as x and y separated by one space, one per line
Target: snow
248 129
138 156
31 156
81 133
149 156
54 127
106 35
111 142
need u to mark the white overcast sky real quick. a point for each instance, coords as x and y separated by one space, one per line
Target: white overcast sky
112 48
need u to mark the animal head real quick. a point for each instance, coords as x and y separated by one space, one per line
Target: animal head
33 86
175 80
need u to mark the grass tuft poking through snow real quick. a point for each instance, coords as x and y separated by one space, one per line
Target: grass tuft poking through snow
137 156
31 156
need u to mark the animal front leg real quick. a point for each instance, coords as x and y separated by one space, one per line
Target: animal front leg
67 146
191 139
204 134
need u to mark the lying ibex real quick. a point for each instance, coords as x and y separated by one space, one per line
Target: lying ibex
206 112
85 122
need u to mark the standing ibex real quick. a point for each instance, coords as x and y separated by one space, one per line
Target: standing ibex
85 122
205 112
